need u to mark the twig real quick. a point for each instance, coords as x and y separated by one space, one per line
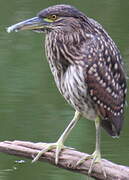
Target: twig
68 160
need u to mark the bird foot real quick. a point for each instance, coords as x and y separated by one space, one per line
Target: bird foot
96 158
49 146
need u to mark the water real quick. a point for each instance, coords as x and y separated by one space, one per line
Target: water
31 108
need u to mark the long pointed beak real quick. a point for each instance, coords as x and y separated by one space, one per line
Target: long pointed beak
35 23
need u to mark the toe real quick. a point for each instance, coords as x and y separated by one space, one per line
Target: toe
81 161
47 147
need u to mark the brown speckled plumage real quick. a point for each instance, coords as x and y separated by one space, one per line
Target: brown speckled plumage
87 68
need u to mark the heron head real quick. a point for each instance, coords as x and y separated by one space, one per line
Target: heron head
64 17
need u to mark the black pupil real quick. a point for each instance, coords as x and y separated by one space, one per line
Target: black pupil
54 16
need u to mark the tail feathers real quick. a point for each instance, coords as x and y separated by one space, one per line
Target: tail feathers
113 127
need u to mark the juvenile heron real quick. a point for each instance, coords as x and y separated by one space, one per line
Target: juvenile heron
87 68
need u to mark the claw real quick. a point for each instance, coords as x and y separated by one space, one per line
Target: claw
96 158
58 145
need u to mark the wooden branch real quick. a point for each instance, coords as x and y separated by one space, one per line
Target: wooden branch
68 160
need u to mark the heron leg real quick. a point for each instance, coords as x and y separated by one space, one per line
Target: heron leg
96 156
59 144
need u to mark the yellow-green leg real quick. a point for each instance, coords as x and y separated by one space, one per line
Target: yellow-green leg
59 144
96 156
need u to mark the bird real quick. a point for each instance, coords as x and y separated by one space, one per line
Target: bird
88 70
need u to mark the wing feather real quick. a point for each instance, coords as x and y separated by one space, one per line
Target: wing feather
106 88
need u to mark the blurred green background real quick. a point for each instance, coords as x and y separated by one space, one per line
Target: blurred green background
31 107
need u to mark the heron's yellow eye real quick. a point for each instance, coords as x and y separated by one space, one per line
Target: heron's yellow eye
53 17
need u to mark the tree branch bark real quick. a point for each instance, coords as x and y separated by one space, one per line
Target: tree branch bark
68 160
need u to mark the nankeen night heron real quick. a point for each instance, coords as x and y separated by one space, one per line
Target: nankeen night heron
87 68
